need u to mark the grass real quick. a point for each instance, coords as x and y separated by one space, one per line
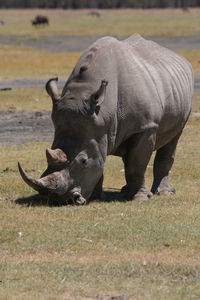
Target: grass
193 56
33 99
172 22
22 62
196 103
148 250
105 248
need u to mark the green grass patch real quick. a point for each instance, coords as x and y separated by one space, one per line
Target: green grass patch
143 249
172 22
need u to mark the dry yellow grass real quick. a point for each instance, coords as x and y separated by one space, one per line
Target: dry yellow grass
193 56
170 22
137 248
20 62
142 249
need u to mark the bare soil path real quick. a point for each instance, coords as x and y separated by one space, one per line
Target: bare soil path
40 83
26 83
65 43
21 127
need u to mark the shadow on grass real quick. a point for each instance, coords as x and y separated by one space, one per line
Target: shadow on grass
110 195
38 200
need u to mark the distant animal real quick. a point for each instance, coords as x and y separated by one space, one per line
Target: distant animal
185 9
125 98
2 22
40 20
5 89
94 13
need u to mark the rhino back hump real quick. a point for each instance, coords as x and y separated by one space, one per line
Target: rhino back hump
158 74
155 88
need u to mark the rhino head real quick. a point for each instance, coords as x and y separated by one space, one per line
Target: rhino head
76 159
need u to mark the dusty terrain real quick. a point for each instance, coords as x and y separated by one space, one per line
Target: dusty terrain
21 127
64 43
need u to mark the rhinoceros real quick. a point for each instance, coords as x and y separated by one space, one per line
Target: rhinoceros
125 98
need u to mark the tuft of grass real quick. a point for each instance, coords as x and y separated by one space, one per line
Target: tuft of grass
172 22
142 249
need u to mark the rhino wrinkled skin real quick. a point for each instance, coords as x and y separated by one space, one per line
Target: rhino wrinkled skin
125 98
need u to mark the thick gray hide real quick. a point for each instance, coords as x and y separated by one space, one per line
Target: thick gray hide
143 108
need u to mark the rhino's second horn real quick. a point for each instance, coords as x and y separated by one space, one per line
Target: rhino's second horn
56 157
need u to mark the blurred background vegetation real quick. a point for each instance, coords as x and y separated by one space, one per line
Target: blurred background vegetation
98 3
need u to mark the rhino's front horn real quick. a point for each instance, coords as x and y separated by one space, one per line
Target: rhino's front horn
37 185
52 90
56 157
54 183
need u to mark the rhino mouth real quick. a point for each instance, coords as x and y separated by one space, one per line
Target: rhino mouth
53 186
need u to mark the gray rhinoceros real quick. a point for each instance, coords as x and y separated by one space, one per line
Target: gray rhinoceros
125 98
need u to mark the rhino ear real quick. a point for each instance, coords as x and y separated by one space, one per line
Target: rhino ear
97 98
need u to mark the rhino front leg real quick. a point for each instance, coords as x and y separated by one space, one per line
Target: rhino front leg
163 162
139 151
97 194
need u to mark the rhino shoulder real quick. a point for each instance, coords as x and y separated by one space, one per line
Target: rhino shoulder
104 43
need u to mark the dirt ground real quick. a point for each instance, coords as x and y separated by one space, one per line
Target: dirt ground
63 43
21 127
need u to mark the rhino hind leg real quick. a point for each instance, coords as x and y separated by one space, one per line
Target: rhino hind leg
139 151
163 162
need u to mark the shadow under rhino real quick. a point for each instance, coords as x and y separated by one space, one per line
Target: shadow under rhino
110 195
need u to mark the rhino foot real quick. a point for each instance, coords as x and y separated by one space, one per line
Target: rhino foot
141 194
166 191
164 188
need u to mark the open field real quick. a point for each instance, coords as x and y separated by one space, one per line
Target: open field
105 248
20 62
50 250
166 22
